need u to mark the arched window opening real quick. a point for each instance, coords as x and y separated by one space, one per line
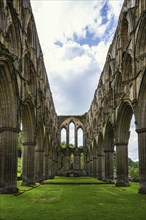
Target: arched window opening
133 163
63 138
80 137
71 134
124 33
131 3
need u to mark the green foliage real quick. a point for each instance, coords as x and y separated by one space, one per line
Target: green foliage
134 173
19 166
133 169
19 144
63 144
74 202
132 164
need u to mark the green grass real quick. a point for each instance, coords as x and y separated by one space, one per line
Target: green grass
74 202
59 179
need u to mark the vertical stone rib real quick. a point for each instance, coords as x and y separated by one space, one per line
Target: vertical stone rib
122 164
9 149
142 159
28 177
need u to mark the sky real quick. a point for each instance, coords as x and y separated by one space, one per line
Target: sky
75 36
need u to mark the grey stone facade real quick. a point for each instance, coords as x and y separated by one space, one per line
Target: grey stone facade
26 103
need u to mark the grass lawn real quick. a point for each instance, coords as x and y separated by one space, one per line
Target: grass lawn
74 202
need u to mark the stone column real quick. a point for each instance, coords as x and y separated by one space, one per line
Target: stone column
28 163
142 159
50 167
59 163
67 138
94 166
88 167
67 161
91 167
8 160
109 165
38 165
45 166
76 138
122 164
100 167
77 161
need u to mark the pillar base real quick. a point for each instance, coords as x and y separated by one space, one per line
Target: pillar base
142 188
8 190
109 181
28 184
124 184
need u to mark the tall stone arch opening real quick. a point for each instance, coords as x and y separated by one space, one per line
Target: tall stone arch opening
109 151
100 155
125 113
29 143
9 126
141 130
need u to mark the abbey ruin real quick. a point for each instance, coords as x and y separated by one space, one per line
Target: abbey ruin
26 104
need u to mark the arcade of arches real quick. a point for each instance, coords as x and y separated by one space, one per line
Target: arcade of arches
26 104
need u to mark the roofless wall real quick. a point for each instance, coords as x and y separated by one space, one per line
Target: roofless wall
27 110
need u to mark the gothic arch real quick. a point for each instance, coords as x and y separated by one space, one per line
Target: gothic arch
141 38
125 112
124 31
9 126
2 16
109 151
118 87
39 150
14 26
28 141
123 120
100 155
141 130
127 67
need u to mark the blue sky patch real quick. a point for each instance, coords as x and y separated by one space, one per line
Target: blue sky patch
89 39
58 43
104 12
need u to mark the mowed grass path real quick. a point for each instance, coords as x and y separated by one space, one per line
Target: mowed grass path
74 202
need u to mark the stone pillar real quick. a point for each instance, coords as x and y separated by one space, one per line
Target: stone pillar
77 162
28 163
109 165
94 166
50 167
59 163
8 160
100 172
67 161
38 165
142 159
45 166
122 164
88 167
67 138
91 167
76 138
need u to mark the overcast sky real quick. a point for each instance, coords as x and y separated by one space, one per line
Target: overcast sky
75 36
